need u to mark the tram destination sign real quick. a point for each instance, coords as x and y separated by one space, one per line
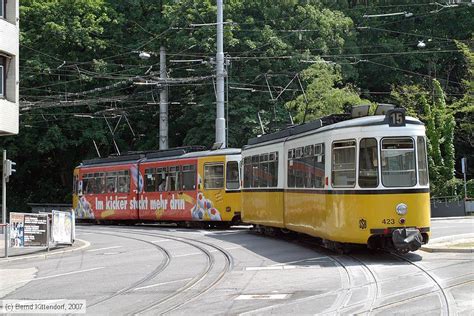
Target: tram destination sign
28 230
396 117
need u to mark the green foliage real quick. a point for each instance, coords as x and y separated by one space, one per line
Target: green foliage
431 108
71 47
322 94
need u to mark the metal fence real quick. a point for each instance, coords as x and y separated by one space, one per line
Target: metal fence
448 206
469 207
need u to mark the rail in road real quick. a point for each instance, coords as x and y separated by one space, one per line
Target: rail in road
180 297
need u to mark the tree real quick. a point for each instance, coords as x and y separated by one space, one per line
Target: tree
464 114
431 108
322 94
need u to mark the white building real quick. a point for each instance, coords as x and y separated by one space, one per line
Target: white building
9 67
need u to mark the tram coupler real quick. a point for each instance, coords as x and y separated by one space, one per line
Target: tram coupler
406 239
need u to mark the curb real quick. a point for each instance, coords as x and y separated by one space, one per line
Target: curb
446 240
45 255
451 218
452 250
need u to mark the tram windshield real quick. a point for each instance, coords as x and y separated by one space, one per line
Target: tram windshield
398 162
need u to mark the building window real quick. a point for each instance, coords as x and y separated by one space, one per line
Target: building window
2 76
2 8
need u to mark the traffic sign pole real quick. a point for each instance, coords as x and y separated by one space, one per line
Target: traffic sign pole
4 188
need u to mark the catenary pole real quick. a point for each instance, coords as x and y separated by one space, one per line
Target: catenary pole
163 137
220 75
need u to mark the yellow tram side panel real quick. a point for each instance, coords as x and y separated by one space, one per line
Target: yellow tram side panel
349 218
220 199
75 198
263 208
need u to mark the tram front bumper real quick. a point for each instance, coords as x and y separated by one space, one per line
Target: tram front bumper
407 239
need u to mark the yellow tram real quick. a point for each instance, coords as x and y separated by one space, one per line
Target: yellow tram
345 180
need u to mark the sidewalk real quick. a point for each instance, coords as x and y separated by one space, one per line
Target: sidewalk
36 252
451 218
463 243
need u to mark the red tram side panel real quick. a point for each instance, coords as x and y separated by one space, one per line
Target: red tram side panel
109 192
170 190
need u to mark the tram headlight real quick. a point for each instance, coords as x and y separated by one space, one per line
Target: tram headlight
402 209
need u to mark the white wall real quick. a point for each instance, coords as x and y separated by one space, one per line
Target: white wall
9 45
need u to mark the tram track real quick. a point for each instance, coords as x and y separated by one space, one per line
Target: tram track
177 294
158 269
445 297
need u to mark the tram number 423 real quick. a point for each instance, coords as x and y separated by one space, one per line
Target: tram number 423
388 221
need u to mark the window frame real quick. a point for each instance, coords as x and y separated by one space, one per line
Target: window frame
414 157
185 170
333 162
3 79
319 154
227 175
425 160
214 164
377 151
3 5
150 171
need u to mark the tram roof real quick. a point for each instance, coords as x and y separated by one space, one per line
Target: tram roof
327 123
168 154
202 153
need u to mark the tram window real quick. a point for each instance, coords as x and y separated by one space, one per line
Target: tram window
398 162
291 173
123 180
343 163
150 180
368 165
247 172
161 179
172 178
232 175
189 177
214 176
111 182
255 178
263 172
308 169
422 164
86 183
319 168
99 182
273 169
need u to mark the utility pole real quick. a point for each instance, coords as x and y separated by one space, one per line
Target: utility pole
220 75
163 137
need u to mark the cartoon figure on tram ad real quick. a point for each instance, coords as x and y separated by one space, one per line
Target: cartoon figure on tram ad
84 209
204 210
